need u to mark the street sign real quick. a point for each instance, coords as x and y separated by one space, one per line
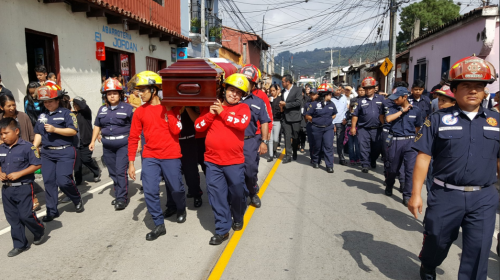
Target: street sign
386 66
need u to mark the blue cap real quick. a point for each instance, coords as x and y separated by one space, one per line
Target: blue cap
398 92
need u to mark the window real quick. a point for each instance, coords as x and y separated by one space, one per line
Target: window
41 49
420 70
159 2
445 66
155 64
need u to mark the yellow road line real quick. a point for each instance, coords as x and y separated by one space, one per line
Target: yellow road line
221 264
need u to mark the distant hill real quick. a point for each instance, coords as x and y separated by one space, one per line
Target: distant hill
309 62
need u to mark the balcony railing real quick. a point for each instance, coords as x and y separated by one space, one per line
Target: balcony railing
195 17
214 29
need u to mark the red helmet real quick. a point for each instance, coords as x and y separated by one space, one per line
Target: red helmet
446 91
112 84
368 82
47 92
472 69
251 72
325 88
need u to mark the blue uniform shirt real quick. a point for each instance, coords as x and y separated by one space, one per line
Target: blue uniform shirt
405 124
424 103
19 157
322 113
388 104
60 118
114 121
368 111
258 111
465 152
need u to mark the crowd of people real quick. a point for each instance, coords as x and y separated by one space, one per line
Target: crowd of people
450 143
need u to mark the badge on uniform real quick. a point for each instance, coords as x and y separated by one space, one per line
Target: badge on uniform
449 119
318 105
35 150
104 109
75 122
491 121
43 118
419 135
427 123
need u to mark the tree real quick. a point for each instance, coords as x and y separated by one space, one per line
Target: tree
432 14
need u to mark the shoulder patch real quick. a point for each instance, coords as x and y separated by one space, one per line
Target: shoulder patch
35 151
419 135
427 123
73 117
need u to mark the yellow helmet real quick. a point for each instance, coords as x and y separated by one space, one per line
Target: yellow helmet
145 78
238 81
260 75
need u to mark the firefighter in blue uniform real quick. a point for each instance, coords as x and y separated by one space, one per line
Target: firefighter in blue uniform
313 95
113 122
417 99
367 120
463 141
54 132
254 145
189 150
405 121
320 114
18 162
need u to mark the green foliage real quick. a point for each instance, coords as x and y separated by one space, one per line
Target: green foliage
196 22
215 32
432 14
309 62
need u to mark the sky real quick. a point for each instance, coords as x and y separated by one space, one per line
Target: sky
294 25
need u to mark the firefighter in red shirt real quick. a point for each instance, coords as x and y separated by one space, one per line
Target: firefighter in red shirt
162 153
225 123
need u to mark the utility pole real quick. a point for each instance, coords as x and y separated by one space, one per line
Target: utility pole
202 28
282 67
392 45
331 63
338 70
262 36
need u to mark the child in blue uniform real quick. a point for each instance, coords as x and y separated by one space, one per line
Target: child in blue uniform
18 162
55 132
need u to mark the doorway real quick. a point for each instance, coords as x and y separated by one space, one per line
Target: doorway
42 49
155 64
113 65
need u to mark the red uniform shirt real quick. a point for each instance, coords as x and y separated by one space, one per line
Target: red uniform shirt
225 134
201 134
262 95
161 130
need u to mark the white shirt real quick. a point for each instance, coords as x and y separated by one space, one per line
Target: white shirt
285 94
471 115
341 105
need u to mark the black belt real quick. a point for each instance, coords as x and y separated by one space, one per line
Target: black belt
321 126
248 137
373 127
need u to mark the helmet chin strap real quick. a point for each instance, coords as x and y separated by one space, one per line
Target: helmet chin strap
225 98
152 94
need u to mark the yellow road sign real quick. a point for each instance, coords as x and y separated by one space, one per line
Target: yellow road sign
386 66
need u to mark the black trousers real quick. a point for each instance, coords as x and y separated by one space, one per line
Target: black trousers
340 134
291 137
84 157
302 137
189 167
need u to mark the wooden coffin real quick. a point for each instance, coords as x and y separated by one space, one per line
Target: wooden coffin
195 82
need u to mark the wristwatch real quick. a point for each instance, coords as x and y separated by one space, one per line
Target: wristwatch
265 142
402 110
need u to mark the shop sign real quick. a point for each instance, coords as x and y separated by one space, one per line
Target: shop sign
124 64
122 40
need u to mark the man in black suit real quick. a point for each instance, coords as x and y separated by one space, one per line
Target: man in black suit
291 101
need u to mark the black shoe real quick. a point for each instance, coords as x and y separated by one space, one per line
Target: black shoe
16 251
255 201
218 239
294 157
401 184
181 217
364 170
198 202
189 196
270 159
427 274
97 178
275 155
405 201
237 226
315 165
287 159
79 207
113 202
49 218
120 205
156 232
343 162
169 212
373 165
39 240
141 190
329 169
388 191
77 183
